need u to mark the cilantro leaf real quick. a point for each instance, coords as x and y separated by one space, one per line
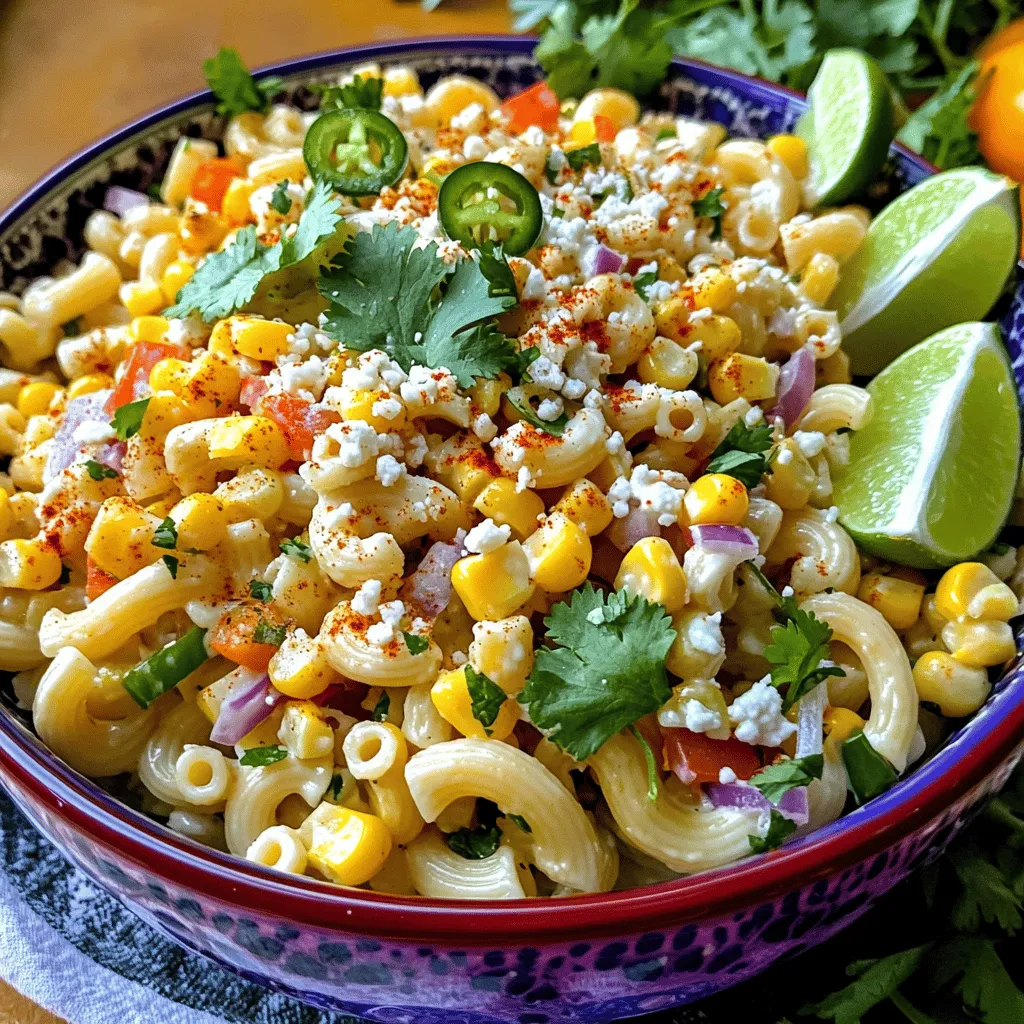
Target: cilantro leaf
279 199
986 896
741 453
227 280
415 643
257 757
360 93
261 591
796 652
869 773
98 471
778 779
72 328
486 697
607 671
780 828
336 786
523 406
939 128
127 418
984 983
530 13
644 281
519 821
382 707
475 843
382 293
296 548
166 534
577 159
235 88
269 633
710 205
172 565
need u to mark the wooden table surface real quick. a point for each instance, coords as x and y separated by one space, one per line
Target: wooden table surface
71 70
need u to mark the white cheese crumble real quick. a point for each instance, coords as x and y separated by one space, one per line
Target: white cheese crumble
487 537
382 632
756 716
726 776
704 633
93 432
699 718
366 599
389 470
810 442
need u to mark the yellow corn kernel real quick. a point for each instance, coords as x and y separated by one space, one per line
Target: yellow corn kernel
713 289
303 731
820 277
719 336
979 643
257 338
620 107
931 614
667 364
346 846
357 404
899 601
148 328
500 501
450 695
651 569
34 399
586 505
300 668
503 651
792 151
670 270
972 589
707 693
253 439
401 82
235 208
209 385
485 394
742 376
175 277
120 540
201 520
559 554
494 585
958 690
716 498
141 298
164 412
437 167
168 375
32 564
454 93
162 508
89 383
583 133
839 725
6 516
672 319
792 477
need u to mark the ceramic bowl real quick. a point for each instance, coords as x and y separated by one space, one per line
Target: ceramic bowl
582 959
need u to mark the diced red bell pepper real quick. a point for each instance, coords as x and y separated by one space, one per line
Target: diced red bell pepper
232 636
693 754
300 421
604 128
211 180
134 382
97 580
537 105
252 390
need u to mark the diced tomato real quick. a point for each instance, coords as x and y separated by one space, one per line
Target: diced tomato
97 581
537 105
211 180
232 637
604 128
685 753
300 421
134 382
252 390
634 263
346 697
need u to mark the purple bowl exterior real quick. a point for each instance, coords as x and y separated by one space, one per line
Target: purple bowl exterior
404 980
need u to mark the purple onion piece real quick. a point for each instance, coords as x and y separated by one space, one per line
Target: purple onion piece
809 723
738 795
607 261
250 700
85 409
793 804
120 200
430 586
796 385
723 539
640 523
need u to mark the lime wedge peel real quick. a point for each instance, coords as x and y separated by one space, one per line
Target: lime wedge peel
932 476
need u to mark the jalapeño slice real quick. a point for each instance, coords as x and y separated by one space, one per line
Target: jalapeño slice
358 152
484 202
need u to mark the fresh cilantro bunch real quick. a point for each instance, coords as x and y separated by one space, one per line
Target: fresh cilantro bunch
227 280
360 93
606 670
386 292
235 88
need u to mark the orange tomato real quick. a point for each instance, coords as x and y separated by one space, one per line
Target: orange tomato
1012 33
537 105
704 758
211 180
134 382
233 634
998 114
604 128
300 422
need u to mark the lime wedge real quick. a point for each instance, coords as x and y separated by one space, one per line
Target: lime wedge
848 126
932 475
938 255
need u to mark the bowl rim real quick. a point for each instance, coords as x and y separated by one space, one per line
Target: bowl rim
921 797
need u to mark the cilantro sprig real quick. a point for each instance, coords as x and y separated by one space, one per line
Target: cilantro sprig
775 781
361 93
98 471
486 697
127 418
257 757
710 205
235 88
742 453
387 292
228 279
606 670
297 548
480 842
382 707
523 405
780 828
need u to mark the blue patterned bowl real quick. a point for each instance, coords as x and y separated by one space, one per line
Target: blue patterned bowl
582 959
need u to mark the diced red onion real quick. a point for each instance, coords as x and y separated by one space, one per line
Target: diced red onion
430 586
796 385
745 797
794 806
84 409
112 455
640 523
684 773
120 200
722 539
249 701
809 723
605 261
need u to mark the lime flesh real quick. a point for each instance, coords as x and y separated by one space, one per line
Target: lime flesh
848 126
932 475
940 254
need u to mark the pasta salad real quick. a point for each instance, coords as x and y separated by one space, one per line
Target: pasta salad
434 494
